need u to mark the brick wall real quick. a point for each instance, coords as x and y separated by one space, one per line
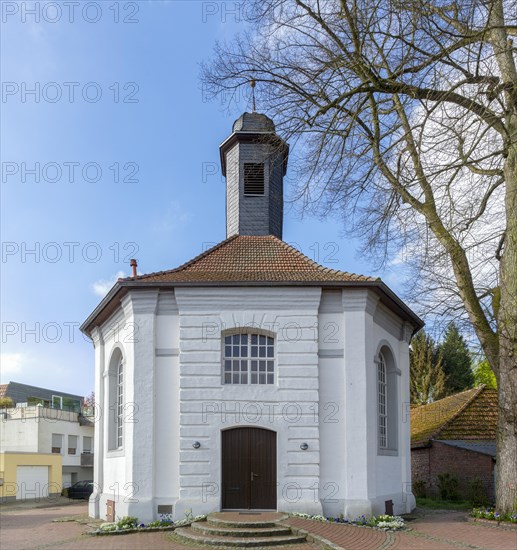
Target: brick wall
420 464
428 463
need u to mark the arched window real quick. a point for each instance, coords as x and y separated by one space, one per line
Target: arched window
115 418
248 358
387 402
382 402
120 403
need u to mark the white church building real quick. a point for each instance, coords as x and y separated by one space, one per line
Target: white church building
251 378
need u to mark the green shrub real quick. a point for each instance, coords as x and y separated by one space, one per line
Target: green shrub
419 488
160 523
448 487
477 493
127 522
156 523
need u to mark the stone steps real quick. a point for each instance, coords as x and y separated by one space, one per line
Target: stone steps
204 527
241 530
235 519
187 533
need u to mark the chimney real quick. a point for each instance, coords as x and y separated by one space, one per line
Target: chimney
133 265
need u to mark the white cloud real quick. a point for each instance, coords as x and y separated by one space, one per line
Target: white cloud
102 286
398 259
173 218
11 363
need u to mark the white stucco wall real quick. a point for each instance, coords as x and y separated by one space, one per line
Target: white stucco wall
287 407
167 427
393 473
331 341
324 395
19 435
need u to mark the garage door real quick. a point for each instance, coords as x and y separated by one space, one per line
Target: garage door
31 482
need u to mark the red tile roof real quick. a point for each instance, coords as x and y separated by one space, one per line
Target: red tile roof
471 414
248 260
251 259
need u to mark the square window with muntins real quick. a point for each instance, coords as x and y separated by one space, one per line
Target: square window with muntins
248 359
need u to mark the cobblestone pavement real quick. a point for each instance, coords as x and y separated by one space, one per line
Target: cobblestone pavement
433 531
35 529
455 528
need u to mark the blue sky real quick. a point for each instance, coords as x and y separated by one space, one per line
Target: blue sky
104 106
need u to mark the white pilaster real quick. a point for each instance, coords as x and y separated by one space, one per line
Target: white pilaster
98 448
360 420
140 309
408 499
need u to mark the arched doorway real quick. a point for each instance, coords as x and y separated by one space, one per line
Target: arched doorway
248 469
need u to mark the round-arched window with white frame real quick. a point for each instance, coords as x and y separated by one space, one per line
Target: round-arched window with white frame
382 402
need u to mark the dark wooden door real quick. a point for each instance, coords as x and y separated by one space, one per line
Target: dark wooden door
249 469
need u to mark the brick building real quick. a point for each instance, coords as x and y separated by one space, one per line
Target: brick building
456 435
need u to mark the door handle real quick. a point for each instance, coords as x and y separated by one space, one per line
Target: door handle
253 476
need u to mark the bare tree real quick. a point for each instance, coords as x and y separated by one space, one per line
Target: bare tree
406 114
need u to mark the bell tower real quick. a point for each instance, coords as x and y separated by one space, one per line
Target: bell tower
254 163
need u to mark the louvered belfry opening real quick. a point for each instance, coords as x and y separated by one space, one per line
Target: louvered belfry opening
253 178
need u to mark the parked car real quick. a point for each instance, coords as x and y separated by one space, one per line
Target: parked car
81 489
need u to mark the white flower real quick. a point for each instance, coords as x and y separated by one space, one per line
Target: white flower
390 524
107 527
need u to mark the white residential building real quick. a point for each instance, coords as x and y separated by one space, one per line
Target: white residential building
41 429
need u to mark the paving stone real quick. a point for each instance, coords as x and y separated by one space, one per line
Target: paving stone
34 529
455 528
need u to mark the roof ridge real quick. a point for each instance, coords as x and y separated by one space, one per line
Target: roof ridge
316 264
245 243
447 423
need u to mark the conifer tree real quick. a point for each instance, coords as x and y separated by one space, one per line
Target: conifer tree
426 379
457 363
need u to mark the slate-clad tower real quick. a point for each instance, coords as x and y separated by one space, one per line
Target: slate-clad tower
254 162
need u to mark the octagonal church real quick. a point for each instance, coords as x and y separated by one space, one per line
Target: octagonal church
251 377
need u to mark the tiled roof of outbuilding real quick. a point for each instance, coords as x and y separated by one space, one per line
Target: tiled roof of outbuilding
471 414
244 258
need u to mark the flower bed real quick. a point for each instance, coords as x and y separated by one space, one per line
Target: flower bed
491 515
383 522
130 524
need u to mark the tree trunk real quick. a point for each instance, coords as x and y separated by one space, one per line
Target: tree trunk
507 327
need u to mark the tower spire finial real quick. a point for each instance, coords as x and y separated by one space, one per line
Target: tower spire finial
253 83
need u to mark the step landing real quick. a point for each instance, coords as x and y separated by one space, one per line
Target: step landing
246 519
241 530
